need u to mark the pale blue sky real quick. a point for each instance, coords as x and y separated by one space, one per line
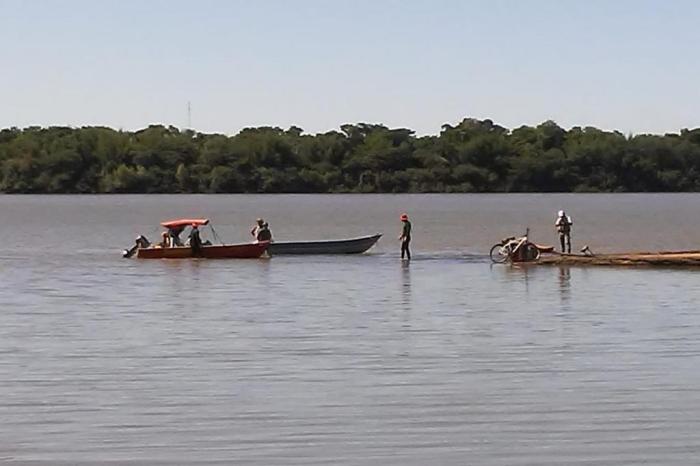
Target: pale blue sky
615 64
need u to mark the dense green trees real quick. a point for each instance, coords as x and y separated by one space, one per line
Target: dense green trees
473 156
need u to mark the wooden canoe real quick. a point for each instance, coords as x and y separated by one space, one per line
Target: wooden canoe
339 246
233 251
663 258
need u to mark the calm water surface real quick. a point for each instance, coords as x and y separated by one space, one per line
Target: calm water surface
357 360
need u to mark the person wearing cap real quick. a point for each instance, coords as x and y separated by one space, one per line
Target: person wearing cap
405 237
256 228
563 226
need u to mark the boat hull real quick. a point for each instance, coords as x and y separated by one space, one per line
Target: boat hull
234 251
343 246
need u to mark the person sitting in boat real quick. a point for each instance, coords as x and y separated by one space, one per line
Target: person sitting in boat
164 240
563 226
174 234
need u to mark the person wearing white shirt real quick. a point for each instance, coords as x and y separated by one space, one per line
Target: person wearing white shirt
563 226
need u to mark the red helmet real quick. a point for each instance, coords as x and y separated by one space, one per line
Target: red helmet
404 217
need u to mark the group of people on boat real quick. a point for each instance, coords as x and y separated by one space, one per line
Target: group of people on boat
171 238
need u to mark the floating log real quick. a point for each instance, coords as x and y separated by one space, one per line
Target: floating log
661 258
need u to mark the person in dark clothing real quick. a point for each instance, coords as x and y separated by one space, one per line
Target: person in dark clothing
563 226
174 234
195 241
264 233
405 237
261 231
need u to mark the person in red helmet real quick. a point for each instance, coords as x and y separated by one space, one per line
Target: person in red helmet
405 237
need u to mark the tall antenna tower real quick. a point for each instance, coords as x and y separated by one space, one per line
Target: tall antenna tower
189 115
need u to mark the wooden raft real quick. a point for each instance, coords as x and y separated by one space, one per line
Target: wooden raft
661 258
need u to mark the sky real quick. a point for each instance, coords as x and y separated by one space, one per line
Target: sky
628 65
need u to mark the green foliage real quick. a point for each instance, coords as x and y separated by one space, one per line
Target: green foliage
472 156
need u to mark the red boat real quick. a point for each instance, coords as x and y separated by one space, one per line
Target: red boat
233 251
145 250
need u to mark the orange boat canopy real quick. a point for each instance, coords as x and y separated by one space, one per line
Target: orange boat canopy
185 222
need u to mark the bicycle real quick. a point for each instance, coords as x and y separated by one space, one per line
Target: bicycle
515 249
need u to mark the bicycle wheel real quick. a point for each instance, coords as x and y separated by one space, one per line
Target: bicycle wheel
498 254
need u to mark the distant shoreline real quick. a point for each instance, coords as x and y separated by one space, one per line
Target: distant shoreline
660 193
475 156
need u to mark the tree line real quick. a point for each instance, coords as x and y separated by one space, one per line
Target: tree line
472 156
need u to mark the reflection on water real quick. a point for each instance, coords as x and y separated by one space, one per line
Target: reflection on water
518 275
347 360
564 283
406 283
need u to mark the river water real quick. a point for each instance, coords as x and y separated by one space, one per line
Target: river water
352 360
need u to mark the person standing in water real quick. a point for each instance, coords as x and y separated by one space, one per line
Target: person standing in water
563 226
405 237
